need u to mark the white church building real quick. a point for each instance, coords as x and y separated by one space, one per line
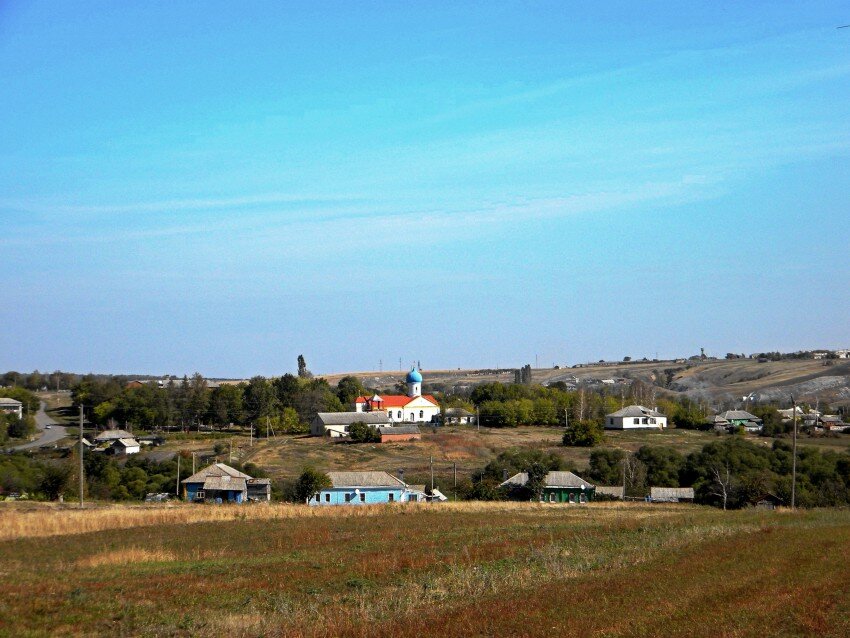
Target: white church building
411 408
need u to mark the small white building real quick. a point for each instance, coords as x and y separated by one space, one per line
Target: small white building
125 446
635 417
336 424
12 406
411 408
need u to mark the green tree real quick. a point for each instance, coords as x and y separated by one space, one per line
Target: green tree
360 432
606 466
585 433
348 389
309 483
536 480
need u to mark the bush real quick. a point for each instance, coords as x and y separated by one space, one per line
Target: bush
359 432
584 434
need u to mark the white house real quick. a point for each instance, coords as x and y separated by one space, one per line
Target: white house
12 406
411 408
635 416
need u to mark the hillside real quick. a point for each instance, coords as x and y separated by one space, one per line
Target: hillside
721 382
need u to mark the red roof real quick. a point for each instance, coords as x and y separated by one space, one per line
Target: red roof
396 400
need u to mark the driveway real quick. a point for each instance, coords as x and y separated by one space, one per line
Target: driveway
46 437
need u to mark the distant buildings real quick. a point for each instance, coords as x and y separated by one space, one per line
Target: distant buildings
635 417
336 424
458 416
411 408
733 419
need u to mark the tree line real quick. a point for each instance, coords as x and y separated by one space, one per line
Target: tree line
285 404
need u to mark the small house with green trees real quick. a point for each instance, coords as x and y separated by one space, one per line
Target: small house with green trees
556 487
733 419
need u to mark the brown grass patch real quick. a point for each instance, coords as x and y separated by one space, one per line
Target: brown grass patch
127 556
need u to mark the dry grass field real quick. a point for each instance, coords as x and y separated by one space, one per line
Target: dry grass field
497 569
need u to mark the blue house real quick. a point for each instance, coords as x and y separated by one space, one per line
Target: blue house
364 488
220 483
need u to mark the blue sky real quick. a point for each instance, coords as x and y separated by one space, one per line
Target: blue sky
222 186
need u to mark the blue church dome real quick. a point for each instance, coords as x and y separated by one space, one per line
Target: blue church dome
414 376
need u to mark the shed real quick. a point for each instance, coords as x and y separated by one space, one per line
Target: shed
125 446
399 433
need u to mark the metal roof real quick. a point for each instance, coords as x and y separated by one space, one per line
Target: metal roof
111 435
738 415
364 479
8 401
553 479
635 410
225 483
347 418
216 469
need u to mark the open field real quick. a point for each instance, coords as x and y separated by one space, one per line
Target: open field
501 569
470 449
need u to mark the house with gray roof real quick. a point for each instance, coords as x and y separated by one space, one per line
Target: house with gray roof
558 487
12 406
220 483
336 424
364 488
635 417
108 436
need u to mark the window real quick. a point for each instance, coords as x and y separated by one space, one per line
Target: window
572 498
362 497
348 498
552 497
390 497
411 416
582 498
318 497
637 421
199 494
421 414
327 498
413 498
399 414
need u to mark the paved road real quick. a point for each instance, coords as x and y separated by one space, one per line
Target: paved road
47 437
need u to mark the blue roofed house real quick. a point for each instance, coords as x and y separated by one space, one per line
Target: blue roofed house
220 483
364 488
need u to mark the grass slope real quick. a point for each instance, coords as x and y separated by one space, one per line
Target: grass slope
460 570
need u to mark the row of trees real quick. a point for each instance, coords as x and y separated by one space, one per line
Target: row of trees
729 473
286 403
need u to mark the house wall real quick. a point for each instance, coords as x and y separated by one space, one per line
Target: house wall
371 495
562 494
190 493
628 423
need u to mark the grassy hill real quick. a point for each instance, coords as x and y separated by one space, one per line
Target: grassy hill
452 570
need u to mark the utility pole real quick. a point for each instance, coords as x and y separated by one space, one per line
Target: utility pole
566 418
432 473
230 457
625 460
177 480
477 420
794 459
82 470
193 462
252 435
